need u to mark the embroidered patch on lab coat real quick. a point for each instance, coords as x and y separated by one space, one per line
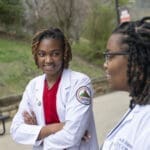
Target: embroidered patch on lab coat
84 95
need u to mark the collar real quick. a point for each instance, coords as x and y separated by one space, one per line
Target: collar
65 80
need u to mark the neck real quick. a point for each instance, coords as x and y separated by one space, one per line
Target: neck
52 79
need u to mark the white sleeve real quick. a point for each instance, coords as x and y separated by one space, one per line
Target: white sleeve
77 120
21 132
143 141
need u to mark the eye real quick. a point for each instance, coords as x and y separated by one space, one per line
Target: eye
56 53
110 57
41 54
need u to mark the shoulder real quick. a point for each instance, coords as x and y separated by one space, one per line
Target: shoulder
75 75
143 112
80 84
143 132
35 81
75 79
143 117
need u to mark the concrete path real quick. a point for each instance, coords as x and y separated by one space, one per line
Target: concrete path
108 109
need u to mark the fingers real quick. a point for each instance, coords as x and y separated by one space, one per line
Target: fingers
86 136
29 118
34 117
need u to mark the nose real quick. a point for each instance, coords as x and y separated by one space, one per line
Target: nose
48 59
105 65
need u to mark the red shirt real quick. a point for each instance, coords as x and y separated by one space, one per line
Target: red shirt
49 103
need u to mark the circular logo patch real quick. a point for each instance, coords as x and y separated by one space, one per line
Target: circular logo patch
84 95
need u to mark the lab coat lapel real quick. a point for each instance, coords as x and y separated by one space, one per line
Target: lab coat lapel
39 99
126 118
63 93
66 79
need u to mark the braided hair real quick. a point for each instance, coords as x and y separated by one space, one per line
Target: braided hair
52 33
136 35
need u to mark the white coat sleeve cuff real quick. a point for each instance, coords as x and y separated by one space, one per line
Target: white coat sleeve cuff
27 134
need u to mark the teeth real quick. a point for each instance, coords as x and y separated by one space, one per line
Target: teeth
49 67
108 76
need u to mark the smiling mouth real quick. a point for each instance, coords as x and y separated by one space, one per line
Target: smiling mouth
108 76
49 67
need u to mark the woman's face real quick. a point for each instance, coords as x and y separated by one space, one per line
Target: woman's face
116 65
50 57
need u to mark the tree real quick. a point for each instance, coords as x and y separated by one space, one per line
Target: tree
10 12
98 27
68 15
35 14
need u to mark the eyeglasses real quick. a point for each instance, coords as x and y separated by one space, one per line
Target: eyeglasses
108 56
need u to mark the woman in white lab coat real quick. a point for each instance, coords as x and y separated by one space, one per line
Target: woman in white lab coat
56 108
127 68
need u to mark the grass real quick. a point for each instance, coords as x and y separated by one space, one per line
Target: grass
17 66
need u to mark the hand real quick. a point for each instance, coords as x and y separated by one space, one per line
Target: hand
86 136
29 118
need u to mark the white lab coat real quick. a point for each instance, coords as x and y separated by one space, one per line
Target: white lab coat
132 133
78 117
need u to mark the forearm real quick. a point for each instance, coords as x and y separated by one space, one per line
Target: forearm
49 129
70 136
45 130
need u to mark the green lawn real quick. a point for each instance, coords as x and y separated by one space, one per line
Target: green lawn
17 67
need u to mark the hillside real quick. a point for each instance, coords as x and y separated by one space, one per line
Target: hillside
17 66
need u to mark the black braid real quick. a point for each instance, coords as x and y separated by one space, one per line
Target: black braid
137 37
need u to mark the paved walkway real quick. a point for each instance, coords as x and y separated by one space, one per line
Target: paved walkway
108 109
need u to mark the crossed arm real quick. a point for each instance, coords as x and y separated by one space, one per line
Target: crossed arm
48 129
